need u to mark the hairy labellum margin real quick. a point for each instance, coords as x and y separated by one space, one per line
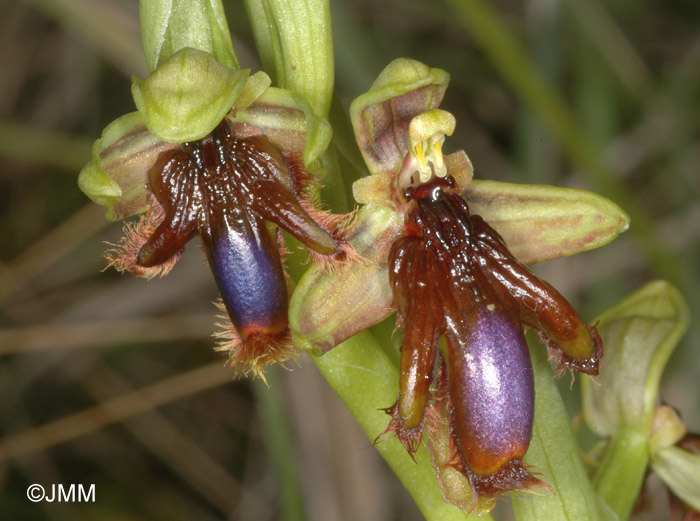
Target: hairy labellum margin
228 190
460 293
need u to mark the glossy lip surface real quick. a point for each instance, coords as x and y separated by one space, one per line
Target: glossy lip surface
460 292
225 189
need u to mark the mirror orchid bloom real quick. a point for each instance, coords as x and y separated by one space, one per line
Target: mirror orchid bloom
449 255
217 153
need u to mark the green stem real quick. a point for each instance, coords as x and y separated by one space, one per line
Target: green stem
366 380
278 442
553 452
295 44
619 478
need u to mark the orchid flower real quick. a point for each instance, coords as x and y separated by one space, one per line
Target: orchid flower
215 152
449 254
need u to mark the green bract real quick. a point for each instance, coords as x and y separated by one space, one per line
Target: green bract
294 40
187 95
620 404
639 335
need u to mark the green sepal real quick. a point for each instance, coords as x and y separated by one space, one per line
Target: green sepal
540 222
117 175
289 122
329 306
97 185
187 95
381 117
639 335
168 26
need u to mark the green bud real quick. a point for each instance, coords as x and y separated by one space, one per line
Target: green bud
639 335
680 470
187 95
168 26
677 466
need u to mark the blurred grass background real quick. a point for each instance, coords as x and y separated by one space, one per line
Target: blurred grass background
112 380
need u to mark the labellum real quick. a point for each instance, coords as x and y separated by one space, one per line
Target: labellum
228 190
459 292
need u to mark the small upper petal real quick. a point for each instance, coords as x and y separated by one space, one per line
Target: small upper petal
381 117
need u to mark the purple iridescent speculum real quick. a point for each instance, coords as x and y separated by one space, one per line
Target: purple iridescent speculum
232 192
460 293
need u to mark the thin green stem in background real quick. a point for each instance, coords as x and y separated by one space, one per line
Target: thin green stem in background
553 453
507 55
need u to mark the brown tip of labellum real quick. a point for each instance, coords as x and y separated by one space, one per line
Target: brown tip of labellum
565 362
409 438
511 476
257 351
123 256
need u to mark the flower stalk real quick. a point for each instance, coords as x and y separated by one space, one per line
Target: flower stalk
619 477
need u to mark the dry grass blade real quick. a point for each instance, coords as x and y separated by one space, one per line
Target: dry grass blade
53 246
108 25
174 448
65 336
114 410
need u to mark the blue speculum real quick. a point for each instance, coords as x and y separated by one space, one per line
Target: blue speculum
462 300
232 192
